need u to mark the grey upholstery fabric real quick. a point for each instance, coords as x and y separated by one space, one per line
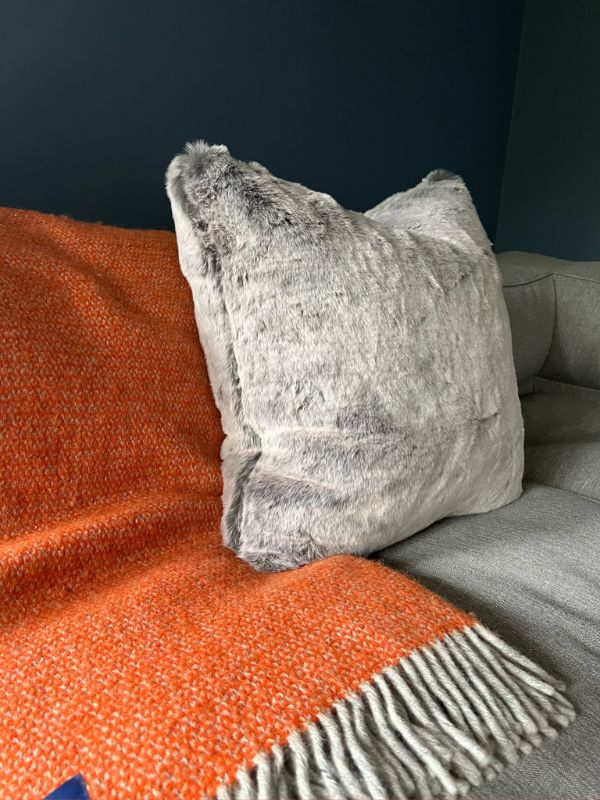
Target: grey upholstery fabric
562 438
543 385
572 355
575 352
362 363
530 571
517 266
530 304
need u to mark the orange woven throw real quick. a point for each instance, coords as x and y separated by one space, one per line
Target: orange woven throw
134 648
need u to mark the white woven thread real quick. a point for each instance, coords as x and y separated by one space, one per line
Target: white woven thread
393 773
443 720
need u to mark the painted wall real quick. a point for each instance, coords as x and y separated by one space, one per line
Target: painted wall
551 195
355 98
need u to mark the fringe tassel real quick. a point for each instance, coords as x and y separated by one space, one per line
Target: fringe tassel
446 718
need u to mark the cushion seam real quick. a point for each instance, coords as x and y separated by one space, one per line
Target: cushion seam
551 275
529 282
554 327
561 489
563 383
235 513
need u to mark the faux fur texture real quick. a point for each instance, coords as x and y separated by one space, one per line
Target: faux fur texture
361 362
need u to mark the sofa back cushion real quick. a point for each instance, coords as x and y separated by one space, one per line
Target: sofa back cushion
554 310
529 296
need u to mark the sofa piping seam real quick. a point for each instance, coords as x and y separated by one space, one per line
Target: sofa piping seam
529 282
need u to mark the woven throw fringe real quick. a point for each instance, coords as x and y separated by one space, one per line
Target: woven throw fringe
448 717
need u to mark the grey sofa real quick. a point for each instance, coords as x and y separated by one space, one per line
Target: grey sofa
531 570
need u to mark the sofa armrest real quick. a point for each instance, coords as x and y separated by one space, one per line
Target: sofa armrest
554 308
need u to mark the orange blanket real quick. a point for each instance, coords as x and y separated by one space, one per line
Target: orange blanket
134 648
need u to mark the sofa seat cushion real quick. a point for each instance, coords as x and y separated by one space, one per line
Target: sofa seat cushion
562 437
529 571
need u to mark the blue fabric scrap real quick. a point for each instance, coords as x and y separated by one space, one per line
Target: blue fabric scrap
73 789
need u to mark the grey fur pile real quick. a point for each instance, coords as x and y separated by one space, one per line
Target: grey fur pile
361 362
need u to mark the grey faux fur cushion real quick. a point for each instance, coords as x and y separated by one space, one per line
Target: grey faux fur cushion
361 362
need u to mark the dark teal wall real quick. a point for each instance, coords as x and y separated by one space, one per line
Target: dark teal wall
353 97
551 196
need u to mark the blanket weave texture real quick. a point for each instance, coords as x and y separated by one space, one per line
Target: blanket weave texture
138 651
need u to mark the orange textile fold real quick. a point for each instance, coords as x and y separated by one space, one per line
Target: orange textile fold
134 648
